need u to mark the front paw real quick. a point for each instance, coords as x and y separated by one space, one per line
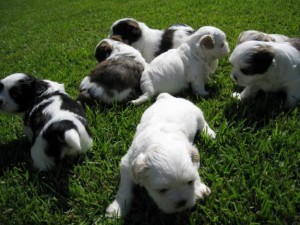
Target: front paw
113 210
237 95
201 190
202 93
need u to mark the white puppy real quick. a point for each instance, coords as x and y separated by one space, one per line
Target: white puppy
150 42
253 35
162 157
54 123
267 66
117 76
190 64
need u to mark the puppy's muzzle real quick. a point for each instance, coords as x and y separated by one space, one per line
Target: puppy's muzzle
180 203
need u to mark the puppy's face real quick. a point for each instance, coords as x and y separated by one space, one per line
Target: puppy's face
168 178
128 29
251 61
17 92
214 43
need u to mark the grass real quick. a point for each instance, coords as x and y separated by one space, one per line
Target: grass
252 167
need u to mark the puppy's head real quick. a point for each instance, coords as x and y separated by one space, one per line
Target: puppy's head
169 175
253 35
212 42
18 92
128 29
251 60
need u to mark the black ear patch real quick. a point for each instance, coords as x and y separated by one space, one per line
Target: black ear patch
103 51
295 42
129 31
166 42
259 61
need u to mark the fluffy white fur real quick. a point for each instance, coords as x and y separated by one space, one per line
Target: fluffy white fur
162 157
149 42
117 51
283 73
253 35
190 64
43 105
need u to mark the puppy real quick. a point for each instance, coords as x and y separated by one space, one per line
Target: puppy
190 64
267 66
117 76
150 42
162 157
54 123
253 35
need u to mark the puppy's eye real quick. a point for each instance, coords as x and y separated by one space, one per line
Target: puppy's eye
163 191
222 45
190 182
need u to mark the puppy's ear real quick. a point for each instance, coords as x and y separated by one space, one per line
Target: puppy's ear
129 30
103 51
194 155
116 38
139 168
259 61
207 41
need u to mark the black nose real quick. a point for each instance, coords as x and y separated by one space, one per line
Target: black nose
181 203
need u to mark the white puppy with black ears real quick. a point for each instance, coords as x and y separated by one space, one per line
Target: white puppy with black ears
267 66
254 35
162 157
188 65
150 42
54 123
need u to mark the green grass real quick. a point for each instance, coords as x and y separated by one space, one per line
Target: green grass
252 167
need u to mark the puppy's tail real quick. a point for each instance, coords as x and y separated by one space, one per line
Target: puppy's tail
142 99
72 139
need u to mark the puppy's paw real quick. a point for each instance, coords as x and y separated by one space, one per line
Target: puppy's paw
201 190
211 133
237 95
113 210
202 93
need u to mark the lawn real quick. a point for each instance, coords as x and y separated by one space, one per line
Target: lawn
252 167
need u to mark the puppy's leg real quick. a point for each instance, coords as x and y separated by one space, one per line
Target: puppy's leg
204 127
142 99
201 190
199 88
248 92
121 205
292 97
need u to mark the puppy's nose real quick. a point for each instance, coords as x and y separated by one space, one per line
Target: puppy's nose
180 203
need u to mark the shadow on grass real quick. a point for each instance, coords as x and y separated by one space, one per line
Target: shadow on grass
145 212
54 183
257 112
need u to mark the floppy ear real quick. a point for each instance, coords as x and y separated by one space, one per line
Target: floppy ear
259 61
129 30
194 155
103 51
139 168
207 41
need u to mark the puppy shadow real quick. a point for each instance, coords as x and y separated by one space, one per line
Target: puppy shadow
54 183
257 112
145 212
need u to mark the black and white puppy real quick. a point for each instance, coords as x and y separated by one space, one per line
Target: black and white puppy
253 35
54 123
150 42
117 76
267 66
188 65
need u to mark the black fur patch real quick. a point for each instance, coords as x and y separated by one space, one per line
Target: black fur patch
166 42
118 74
26 90
1 86
54 135
295 42
259 61
103 51
129 31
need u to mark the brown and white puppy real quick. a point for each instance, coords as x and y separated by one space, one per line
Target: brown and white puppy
253 35
267 66
150 42
163 159
117 76
188 65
